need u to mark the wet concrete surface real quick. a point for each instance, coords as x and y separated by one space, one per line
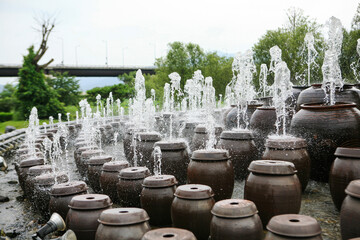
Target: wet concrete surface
19 221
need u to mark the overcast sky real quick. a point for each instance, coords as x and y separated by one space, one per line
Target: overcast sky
138 30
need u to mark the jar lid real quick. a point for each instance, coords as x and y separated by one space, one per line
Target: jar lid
123 216
159 181
80 139
40 169
234 208
81 144
202 129
287 142
52 130
210 155
134 173
115 166
353 189
46 179
99 160
30 155
115 124
168 115
273 167
347 152
71 127
238 134
191 124
92 152
69 188
322 106
132 130
148 136
90 201
169 233
108 126
33 161
294 225
170 145
194 191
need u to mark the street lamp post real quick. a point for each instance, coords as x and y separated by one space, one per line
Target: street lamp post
76 57
106 52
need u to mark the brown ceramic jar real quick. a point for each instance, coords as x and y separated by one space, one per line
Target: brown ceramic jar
144 143
24 167
262 123
242 150
350 211
235 219
80 150
32 173
274 188
175 159
325 128
189 131
169 234
42 189
94 166
85 157
156 198
61 195
201 137
344 169
128 141
110 177
214 169
84 213
122 223
191 209
231 121
293 227
129 186
293 150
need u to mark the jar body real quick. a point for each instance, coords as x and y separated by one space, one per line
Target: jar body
123 232
127 146
41 199
249 228
350 217
325 129
175 163
84 222
299 157
273 236
129 191
273 194
219 175
199 141
108 182
94 172
242 153
193 215
60 204
143 154
232 119
157 203
343 171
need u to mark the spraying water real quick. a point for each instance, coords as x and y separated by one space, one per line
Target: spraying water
264 88
157 160
356 64
311 52
275 53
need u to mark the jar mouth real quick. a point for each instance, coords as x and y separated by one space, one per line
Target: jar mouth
322 106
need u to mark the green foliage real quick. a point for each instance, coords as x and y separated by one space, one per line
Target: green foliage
290 39
72 110
128 78
32 91
7 99
355 24
121 91
5 116
66 86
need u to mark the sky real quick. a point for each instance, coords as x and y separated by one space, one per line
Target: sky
135 32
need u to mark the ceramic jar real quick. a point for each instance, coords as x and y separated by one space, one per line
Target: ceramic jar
235 219
129 186
32 173
156 198
293 150
325 128
242 150
24 167
82 148
191 209
344 169
94 166
110 177
174 159
350 211
61 195
144 144
169 234
122 223
188 131
84 213
201 137
274 188
293 226
262 123
128 142
231 121
214 169
85 156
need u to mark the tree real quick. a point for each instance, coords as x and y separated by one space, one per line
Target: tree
290 39
355 24
119 91
66 86
7 99
32 90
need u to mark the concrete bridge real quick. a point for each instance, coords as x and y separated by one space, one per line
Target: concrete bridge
81 71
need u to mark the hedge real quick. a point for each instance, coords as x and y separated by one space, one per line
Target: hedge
5 116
